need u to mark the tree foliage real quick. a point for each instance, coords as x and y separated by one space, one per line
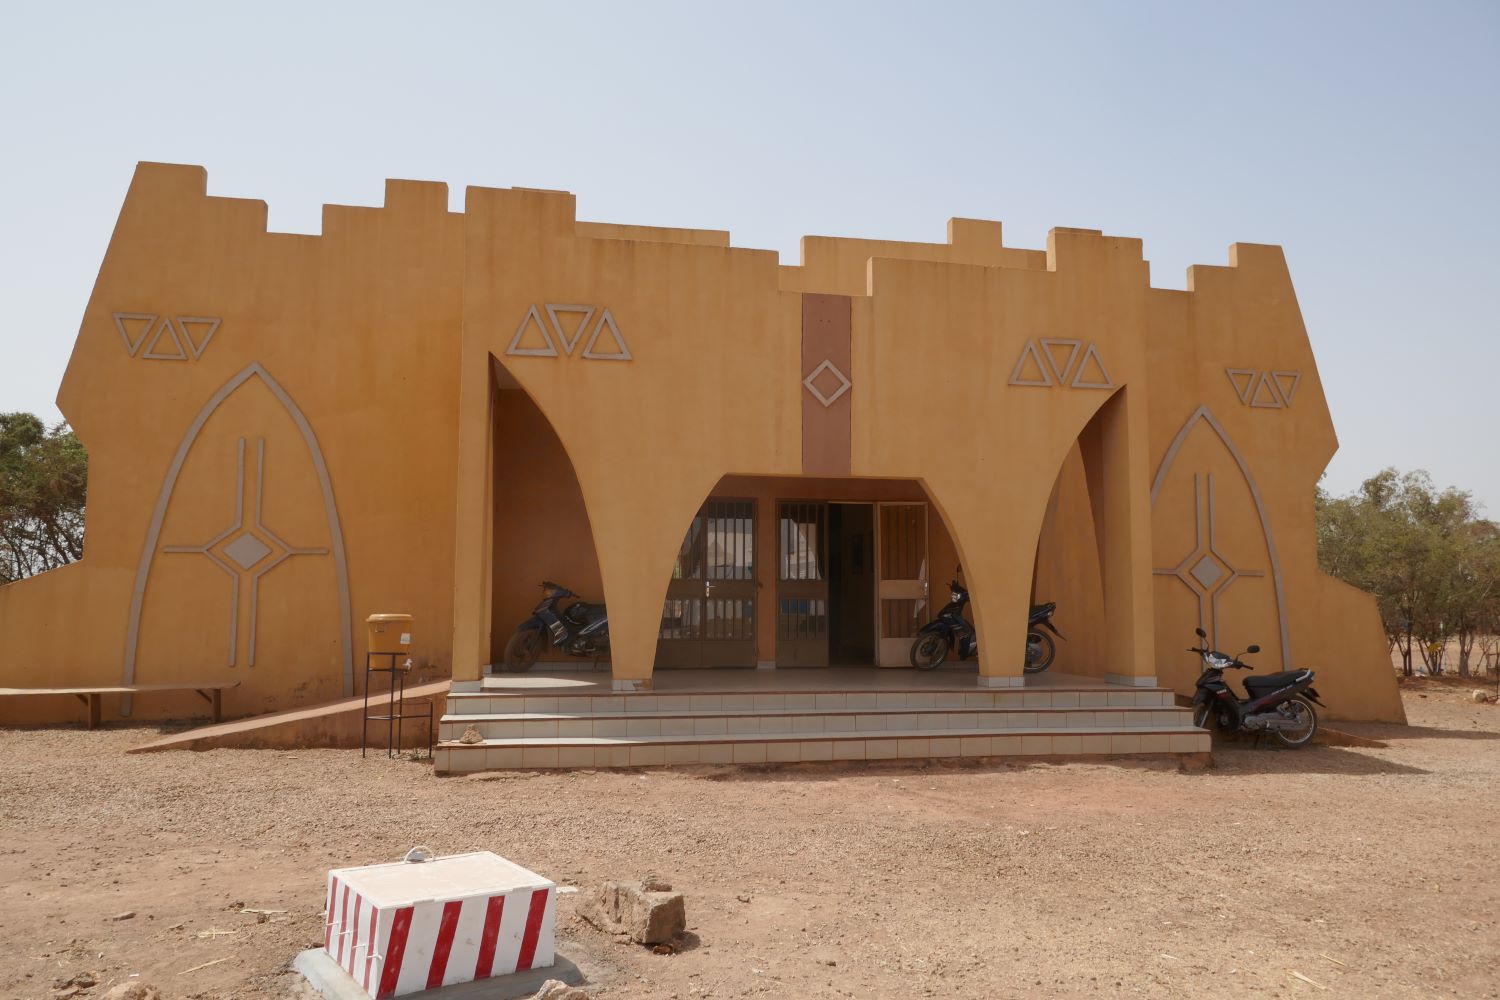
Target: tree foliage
1431 561
43 487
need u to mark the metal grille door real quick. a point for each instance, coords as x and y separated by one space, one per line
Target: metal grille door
802 584
709 616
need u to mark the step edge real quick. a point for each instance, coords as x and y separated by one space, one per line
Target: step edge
789 713
919 734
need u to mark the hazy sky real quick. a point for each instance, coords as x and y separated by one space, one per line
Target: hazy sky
1362 137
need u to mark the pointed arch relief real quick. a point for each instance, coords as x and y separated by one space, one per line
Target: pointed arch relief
241 549
1203 567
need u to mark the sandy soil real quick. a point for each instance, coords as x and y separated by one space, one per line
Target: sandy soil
1370 872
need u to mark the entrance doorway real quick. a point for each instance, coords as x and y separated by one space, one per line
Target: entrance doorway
851 582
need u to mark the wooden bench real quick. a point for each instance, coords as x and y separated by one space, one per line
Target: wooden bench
210 691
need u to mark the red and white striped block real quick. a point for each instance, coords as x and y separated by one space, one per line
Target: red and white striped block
405 927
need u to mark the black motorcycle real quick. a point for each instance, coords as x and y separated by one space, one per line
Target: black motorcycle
951 630
1280 704
580 629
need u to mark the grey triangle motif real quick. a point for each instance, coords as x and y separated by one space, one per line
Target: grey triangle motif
1042 366
607 319
557 327
1067 368
165 326
516 350
1235 374
1269 385
197 347
1078 380
1287 393
133 345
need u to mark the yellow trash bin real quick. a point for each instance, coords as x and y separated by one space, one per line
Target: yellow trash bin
391 634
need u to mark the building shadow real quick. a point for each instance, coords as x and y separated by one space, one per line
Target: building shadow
1231 761
1388 733
1241 759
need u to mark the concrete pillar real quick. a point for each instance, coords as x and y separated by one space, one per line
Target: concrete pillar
1115 454
473 545
638 525
1000 595
767 573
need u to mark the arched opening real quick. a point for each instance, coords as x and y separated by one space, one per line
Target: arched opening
540 528
1088 558
782 572
1068 571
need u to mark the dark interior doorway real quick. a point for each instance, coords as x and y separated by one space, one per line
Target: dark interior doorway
851 578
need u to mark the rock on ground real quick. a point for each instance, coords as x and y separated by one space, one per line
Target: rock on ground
630 908
133 991
556 989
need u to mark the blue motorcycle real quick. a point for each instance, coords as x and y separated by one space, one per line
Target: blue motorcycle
951 631
580 629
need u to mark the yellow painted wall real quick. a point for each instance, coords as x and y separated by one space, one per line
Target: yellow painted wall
367 372
359 326
1245 317
648 438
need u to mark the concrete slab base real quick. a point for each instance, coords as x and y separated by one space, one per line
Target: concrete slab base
333 983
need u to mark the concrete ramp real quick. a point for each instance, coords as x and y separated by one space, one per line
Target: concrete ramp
331 724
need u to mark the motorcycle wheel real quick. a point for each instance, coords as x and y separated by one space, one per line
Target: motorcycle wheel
522 651
928 651
1299 708
1040 651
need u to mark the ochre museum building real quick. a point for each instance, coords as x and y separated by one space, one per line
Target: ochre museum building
756 465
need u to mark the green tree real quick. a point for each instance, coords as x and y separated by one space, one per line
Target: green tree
1432 563
43 488
1474 591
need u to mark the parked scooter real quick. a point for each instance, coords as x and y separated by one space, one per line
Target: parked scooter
1280 704
950 630
580 629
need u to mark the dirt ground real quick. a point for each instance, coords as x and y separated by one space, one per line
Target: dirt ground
1370 872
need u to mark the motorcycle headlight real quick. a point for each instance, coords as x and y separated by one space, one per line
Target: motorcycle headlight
954 596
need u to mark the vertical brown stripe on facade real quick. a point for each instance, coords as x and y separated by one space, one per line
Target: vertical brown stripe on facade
826 434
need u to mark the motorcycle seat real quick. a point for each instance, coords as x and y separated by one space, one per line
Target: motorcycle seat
1270 682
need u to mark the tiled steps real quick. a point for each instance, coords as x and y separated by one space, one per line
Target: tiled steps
646 751
644 729
494 702
803 721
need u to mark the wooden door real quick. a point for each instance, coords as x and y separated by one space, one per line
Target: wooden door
901 547
801 584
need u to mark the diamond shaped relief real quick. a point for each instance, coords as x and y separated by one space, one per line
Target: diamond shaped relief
828 375
1207 572
247 550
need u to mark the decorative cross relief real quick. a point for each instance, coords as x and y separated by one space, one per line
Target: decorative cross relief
556 331
178 338
237 550
1205 570
841 381
1046 366
1269 390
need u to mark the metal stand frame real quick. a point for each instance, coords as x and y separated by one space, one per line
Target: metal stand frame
396 711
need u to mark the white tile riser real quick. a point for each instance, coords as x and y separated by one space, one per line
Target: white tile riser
709 726
458 761
839 701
